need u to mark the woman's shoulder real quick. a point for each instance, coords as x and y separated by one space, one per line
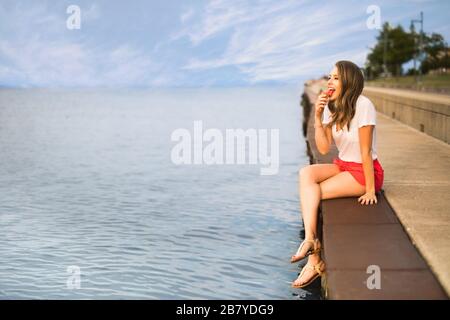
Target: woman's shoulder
365 111
364 103
363 100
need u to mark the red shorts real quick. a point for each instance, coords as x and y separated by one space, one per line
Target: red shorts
357 171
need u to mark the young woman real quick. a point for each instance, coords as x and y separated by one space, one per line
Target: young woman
350 119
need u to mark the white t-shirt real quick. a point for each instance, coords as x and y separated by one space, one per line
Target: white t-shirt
346 141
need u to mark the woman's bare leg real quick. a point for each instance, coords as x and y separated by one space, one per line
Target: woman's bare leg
341 185
310 178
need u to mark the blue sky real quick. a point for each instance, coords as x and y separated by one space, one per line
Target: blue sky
176 43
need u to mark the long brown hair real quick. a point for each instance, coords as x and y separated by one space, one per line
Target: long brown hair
352 83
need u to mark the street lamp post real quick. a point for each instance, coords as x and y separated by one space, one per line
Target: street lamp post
386 41
420 43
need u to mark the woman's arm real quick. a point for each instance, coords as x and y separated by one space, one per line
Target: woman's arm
322 135
365 142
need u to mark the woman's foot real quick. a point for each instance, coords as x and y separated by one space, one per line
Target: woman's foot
306 248
311 271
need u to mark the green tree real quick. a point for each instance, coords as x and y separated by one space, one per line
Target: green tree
436 53
394 47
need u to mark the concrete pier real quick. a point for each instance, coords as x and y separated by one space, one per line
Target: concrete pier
406 235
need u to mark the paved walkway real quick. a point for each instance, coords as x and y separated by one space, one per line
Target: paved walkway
417 185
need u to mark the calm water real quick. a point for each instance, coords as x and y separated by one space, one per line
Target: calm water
86 180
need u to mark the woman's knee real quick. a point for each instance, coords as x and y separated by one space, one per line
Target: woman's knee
306 173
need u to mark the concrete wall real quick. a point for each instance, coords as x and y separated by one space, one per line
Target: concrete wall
424 114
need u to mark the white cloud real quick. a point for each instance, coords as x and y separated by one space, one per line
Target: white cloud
222 42
42 63
41 53
185 16
268 43
220 15
127 65
91 13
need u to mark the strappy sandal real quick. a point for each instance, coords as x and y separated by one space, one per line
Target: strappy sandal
319 268
314 247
